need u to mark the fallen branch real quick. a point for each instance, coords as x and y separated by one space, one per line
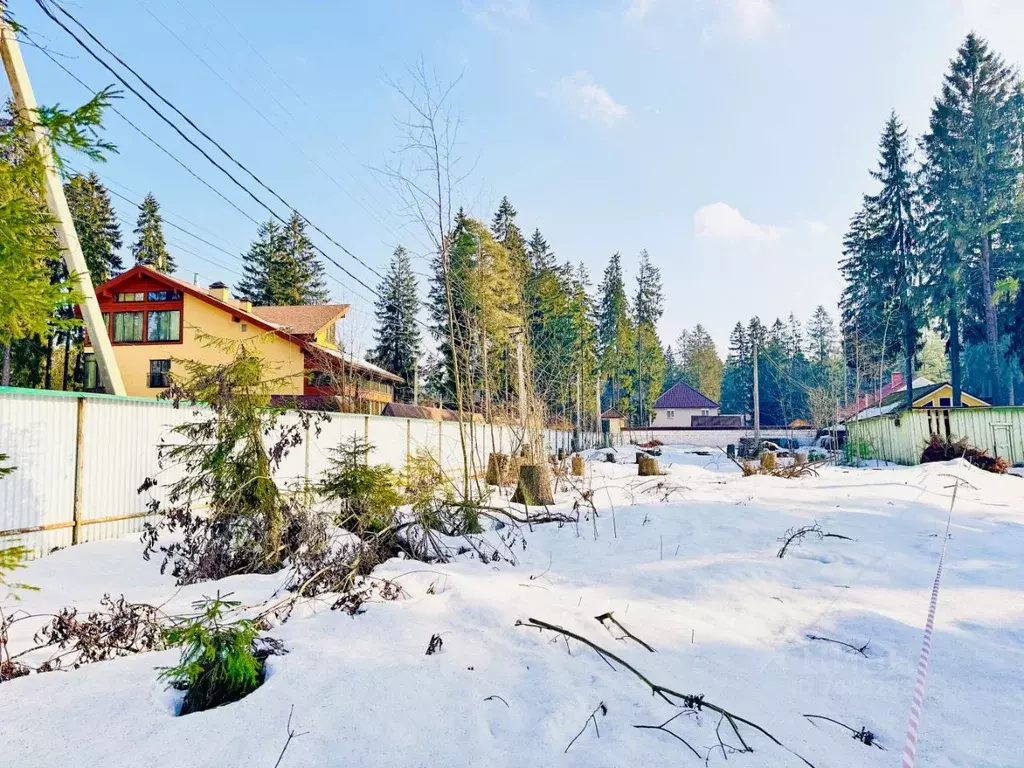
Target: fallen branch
859 650
609 617
794 535
672 733
435 644
593 716
496 697
694 702
291 735
864 736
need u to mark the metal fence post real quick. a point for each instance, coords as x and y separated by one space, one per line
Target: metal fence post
76 512
408 443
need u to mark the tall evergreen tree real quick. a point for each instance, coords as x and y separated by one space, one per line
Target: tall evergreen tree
149 246
507 232
821 336
737 377
96 226
615 335
699 363
396 334
281 268
539 253
260 273
298 250
972 173
648 305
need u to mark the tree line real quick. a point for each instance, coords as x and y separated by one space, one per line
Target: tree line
938 246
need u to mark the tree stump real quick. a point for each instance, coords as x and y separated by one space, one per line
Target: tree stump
768 461
578 466
800 458
647 466
497 468
534 486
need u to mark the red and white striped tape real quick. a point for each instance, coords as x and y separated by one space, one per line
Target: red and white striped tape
910 745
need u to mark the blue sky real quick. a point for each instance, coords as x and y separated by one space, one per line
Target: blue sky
730 138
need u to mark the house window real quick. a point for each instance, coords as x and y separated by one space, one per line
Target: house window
671 414
163 296
127 326
704 412
90 372
158 370
320 379
945 402
133 296
164 325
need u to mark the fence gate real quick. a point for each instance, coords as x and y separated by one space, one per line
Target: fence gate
1002 440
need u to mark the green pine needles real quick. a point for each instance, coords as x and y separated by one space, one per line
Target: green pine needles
219 662
368 495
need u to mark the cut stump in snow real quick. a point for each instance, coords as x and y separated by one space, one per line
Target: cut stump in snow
578 466
647 466
497 469
534 487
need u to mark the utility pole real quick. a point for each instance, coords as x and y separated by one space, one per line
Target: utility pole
579 407
25 100
757 404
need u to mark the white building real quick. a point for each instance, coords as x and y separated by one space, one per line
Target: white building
679 403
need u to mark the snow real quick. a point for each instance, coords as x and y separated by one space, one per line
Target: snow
695 576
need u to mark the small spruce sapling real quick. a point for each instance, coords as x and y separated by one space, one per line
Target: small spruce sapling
367 494
219 662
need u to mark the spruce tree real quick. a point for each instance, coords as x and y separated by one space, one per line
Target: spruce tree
396 335
149 246
96 226
737 378
615 335
259 271
972 173
539 253
649 302
299 257
507 232
821 336
700 365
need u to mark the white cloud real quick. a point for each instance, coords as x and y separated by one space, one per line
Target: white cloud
638 9
721 221
588 99
743 18
491 12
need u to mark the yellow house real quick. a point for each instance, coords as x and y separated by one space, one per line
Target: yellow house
154 319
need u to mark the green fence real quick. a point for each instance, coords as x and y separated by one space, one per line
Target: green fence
901 437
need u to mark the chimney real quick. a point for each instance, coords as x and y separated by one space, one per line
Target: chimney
246 306
219 291
897 381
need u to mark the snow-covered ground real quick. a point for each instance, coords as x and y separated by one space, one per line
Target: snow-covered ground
696 577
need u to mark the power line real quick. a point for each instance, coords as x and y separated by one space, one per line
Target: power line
191 123
149 138
167 120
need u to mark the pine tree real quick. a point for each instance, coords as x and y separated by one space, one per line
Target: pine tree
506 232
615 335
699 363
971 184
300 256
539 253
258 267
649 302
150 247
821 334
96 226
397 335
737 378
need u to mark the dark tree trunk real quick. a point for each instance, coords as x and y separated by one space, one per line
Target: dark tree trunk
67 361
48 377
909 346
6 378
954 351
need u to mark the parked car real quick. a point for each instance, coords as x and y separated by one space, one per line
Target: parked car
788 443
